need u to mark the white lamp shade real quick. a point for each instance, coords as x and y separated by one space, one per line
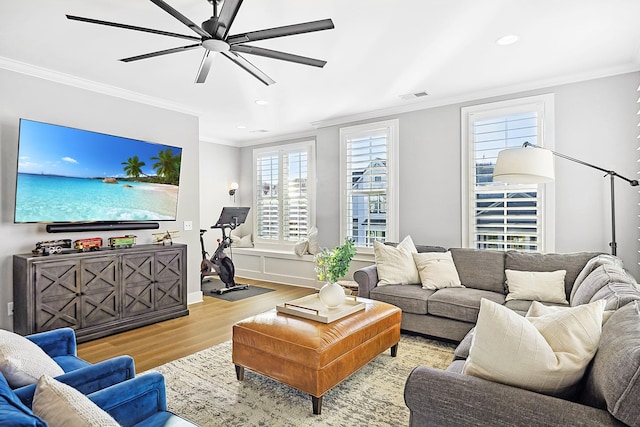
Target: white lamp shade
528 165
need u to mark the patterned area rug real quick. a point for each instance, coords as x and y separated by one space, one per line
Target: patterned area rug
203 388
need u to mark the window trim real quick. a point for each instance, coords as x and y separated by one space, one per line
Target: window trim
393 201
544 105
310 146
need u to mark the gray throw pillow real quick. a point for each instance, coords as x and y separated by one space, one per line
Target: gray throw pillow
597 280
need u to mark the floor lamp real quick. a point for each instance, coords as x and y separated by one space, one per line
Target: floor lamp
532 164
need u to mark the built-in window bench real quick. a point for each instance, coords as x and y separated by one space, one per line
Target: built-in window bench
285 267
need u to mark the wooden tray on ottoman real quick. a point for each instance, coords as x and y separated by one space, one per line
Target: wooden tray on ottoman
310 307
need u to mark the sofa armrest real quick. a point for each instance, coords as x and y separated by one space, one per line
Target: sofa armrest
89 379
58 342
134 400
367 278
450 399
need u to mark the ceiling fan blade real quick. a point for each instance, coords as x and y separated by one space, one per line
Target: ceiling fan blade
287 30
252 50
205 65
161 52
227 15
249 67
180 17
130 27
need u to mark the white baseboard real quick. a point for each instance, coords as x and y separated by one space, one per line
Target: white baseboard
194 297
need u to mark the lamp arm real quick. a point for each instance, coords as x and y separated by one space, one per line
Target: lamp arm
632 182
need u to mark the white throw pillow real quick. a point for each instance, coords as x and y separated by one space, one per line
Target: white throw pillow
546 354
537 309
62 405
22 362
396 265
314 246
547 286
301 247
238 241
437 270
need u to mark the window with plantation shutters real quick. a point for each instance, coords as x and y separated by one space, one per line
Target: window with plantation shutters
369 182
502 216
284 178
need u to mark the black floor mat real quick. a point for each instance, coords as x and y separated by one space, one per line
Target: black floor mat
209 285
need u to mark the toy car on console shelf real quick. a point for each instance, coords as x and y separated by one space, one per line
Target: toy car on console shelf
88 244
127 241
51 246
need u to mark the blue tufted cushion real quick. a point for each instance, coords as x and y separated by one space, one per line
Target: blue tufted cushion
13 412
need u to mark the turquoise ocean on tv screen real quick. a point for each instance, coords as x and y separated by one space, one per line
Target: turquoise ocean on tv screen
50 198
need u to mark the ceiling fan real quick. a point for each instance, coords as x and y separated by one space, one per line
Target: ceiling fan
214 37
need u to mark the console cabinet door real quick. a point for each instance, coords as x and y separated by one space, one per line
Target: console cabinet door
138 283
99 290
57 295
168 277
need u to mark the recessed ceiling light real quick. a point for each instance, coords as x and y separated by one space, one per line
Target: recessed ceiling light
507 40
261 102
241 127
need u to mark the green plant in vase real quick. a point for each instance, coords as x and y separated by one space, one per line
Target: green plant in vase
332 264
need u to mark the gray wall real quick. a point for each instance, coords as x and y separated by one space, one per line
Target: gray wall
595 121
219 167
43 100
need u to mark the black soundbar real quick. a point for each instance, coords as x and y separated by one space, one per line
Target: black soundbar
101 226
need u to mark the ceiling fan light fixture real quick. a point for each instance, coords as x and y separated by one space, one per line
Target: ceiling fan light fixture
215 45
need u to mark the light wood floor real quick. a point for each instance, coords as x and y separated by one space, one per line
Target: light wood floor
208 323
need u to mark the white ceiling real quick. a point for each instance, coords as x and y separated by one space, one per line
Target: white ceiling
378 51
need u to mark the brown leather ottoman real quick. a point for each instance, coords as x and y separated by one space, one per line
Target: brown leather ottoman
313 356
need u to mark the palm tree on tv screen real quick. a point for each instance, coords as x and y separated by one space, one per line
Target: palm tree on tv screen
167 165
133 167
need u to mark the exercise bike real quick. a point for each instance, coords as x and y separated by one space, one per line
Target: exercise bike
220 263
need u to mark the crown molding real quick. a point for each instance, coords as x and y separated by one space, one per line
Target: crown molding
78 82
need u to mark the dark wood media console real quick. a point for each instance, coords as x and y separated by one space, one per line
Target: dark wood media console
99 293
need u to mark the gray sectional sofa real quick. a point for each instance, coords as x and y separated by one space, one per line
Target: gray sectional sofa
450 313
609 392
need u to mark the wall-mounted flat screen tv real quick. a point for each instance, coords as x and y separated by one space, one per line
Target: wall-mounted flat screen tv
68 175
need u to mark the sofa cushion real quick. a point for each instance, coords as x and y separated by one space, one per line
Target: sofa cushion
546 354
536 286
591 265
22 362
460 303
573 263
480 269
613 381
599 279
395 264
617 295
409 298
437 270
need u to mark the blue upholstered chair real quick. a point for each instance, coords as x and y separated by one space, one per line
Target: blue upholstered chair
60 345
139 402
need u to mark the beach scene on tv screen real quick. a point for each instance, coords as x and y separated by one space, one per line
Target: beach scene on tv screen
74 175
